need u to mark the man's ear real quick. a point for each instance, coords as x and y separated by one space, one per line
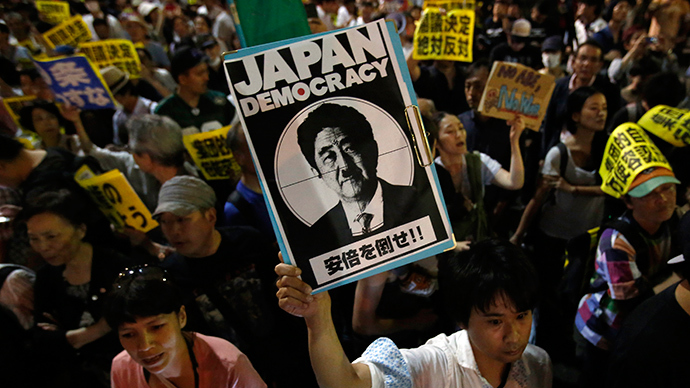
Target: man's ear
210 215
143 160
627 201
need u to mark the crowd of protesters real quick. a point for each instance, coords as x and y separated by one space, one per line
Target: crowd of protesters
192 303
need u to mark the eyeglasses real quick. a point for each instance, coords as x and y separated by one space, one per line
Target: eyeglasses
148 272
584 58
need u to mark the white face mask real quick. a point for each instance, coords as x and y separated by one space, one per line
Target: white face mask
214 62
551 61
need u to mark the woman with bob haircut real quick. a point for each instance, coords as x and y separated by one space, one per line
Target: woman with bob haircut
146 310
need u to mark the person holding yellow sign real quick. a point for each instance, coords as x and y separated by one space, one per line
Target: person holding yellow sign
633 250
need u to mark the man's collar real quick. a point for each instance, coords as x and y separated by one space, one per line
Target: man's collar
374 207
572 81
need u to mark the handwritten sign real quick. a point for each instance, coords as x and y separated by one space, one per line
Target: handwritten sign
117 200
444 34
211 154
54 12
628 152
70 32
113 52
515 89
670 124
75 81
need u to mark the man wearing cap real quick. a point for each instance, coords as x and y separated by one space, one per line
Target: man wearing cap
131 104
652 347
518 49
226 274
193 106
631 259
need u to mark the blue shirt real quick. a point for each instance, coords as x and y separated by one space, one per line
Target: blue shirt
256 217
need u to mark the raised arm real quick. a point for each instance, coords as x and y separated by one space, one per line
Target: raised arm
515 178
330 364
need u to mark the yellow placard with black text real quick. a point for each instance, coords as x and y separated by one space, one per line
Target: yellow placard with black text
628 152
113 52
444 34
670 124
53 12
71 32
117 200
211 154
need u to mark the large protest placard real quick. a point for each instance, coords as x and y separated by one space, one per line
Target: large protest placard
515 89
75 81
70 32
212 155
14 105
116 199
54 12
628 152
670 124
445 31
113 52
325 119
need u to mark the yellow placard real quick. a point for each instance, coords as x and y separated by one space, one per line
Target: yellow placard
54 12
628 152
515 89
449 4
444 34
113 52
70 32
14 105
670 124
211 154
83 173
117 200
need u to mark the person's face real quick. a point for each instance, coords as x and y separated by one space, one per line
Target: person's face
517 43
54 238
195 79
499 335
585 12
500 10
189 235
156 342
537 16
593 113
200 26
136 31
46 124
474 87
451 136
587 61
102 31
181 27
330 6
347 168
620 11
655 207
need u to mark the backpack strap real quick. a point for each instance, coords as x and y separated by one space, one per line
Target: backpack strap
563 151
474 175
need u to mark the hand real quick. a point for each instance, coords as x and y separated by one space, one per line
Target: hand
71 113
558 183
49 326
639 46
516 240
517 125
294 295
461 246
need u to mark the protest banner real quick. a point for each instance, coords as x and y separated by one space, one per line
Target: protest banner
54 12
75 81
14 105
628 152
670 124
326 119
212 155
113 52
116 199
445 31
71 32
516 89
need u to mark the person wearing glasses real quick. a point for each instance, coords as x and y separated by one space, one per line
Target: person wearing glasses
73 338
146 310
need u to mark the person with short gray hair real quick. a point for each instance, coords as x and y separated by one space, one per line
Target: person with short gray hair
159 138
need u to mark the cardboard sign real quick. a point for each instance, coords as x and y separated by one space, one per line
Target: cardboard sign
117 200
71 32
515 89
628 152
670 124
325 119
54 12
113 52
211 154
75 81
444 34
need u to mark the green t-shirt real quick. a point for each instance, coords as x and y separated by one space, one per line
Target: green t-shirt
214 111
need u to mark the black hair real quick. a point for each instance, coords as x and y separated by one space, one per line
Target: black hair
4 28
595 44
543 7
99 22
328 115
62 203
663 89
26 117
576 100
491 269
476 66
434 125
10 148
206 19
141 292
599 5
128 88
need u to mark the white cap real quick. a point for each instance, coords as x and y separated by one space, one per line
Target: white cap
521 27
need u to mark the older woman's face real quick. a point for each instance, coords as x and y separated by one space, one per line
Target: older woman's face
45 123
54 238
